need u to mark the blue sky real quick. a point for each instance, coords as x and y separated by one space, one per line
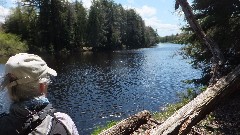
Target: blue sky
159 14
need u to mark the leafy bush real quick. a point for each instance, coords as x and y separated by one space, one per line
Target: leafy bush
10 44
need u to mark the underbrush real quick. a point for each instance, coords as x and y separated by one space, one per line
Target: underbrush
11 44
99 129
170 109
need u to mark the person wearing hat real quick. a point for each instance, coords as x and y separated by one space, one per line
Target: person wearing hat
26 79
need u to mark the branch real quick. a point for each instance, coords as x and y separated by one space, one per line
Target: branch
181 122
129 125
218 58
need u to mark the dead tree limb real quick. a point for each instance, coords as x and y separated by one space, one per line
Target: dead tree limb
180 123
218 58
129 125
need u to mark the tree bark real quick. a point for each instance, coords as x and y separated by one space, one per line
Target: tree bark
129 125
218 58
180 123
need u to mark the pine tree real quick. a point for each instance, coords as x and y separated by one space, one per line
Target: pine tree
80 24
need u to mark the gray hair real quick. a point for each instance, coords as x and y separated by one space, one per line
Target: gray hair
26 91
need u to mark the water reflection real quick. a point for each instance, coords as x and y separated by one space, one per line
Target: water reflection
94 88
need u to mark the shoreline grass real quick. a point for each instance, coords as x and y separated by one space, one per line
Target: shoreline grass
99 129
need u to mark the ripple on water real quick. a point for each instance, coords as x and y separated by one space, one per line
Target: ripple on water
99 87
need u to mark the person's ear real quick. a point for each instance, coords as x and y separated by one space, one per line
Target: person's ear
42 88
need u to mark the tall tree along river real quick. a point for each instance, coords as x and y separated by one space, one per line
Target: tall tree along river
94 88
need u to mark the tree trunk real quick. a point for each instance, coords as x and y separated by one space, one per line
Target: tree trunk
129 125
180 123
218 58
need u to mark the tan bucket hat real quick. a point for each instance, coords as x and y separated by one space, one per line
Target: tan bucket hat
25 68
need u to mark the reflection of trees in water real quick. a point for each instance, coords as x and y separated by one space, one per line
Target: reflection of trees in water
95 87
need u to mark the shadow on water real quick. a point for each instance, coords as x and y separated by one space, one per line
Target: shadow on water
94 88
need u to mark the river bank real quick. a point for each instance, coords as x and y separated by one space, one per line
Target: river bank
223 120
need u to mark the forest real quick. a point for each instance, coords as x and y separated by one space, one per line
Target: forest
171 38
55 26
60 26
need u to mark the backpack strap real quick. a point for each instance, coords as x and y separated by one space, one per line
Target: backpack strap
62 129
36 119
3 114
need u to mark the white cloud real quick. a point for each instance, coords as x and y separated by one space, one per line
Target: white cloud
149 15
3 13
87 3
146 11
162 28
155 22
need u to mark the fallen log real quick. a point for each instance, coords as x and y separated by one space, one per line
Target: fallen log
129 125
180 122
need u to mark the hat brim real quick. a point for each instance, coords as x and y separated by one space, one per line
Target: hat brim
51 71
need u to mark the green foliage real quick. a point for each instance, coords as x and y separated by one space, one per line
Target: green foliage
169 110
169 39
177 39
134 30
58 25
95 25
151 37
111 26
80 25
191 93
10 44
98 130
185 97
22 22
220 20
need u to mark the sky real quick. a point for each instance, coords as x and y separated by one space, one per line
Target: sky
159 14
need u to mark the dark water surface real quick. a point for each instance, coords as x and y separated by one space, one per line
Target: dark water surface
94 88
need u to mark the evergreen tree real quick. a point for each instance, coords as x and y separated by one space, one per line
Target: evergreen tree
220 20
22 22
68 32
95 30
57 25
80 25
119 25
44 25
151 37
133 33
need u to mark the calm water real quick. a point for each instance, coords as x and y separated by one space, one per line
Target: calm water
94 88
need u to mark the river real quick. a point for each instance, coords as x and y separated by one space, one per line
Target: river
94 88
